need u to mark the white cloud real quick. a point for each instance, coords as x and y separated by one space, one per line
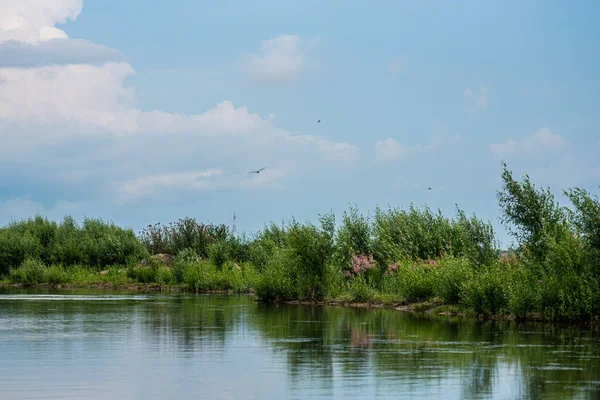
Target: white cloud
542 141
195 181
32 21
281 59
478 102
57 51
82 93
146 185
74 125
390 149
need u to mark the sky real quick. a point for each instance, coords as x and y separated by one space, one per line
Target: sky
139 113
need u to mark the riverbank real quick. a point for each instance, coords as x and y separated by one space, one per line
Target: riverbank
414 257
431 307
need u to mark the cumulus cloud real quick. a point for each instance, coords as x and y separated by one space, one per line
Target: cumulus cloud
69 124
32 21
477 102
281 59
195 180
390 149
56 51
82 93
542 141
165 184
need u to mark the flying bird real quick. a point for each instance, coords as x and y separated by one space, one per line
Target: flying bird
428 188
319 121
257 171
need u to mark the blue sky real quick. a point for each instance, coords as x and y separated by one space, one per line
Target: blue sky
138 114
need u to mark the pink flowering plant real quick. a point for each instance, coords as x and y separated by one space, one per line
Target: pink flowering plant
391 269
361 264
364 267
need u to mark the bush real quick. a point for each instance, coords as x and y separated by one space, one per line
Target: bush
56 275
276 282
422 235
182 262
449 277
16 247
353 237
32 271
95 244
360 290
183 234
218 253
485 292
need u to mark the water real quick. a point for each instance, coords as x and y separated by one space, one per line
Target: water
94 345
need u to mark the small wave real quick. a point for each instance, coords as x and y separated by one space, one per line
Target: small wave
59 297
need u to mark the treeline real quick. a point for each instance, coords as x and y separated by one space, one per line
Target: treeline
393 255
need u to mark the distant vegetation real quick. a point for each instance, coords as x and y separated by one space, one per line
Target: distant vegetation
393 256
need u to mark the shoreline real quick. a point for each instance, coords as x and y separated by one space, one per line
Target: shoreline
430 307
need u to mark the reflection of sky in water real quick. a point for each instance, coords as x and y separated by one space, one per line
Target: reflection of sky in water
166 347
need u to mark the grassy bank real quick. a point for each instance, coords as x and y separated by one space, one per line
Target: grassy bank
393 257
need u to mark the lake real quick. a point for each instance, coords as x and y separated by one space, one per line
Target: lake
111 345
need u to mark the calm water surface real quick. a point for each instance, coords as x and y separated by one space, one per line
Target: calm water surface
94 345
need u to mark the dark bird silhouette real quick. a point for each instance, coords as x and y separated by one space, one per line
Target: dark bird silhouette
257 171
319 121
428 188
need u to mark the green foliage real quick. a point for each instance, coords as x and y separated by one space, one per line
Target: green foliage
96 243
586 220
531 214
276 282
183 234
415 234
205 276
416 255
448 278
182 262
353 237
32 271
56 275
218 253
485 292
360 290
413 282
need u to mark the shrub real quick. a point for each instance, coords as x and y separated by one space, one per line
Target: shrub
276 281
32 271
485 291
421 234
449 277
218 253
182 262
353 237
56 275
183 234
531 214
360 290
414 282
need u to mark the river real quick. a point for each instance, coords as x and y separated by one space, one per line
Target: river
111 345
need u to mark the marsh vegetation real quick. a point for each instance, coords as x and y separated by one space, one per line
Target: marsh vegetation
393 256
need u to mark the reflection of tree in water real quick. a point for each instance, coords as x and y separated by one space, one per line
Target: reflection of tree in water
194 323
403 348
322 344
360 338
